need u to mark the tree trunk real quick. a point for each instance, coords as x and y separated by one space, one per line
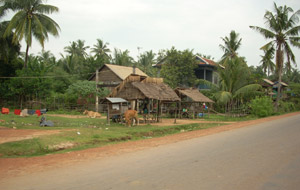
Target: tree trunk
26 56
279 63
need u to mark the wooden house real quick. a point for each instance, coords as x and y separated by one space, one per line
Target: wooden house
111 76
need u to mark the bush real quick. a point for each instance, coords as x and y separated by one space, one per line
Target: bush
262 106
286 107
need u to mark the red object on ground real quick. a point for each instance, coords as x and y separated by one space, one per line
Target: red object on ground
5 111
17 112
38 112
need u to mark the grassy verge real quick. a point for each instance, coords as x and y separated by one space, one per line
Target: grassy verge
82 133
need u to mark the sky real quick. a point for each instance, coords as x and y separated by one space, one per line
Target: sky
160 24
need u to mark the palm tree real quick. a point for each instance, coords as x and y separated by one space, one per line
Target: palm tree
29 21
233 85
282 32
101 49
122 58
77 49
146 60
267 63
231 46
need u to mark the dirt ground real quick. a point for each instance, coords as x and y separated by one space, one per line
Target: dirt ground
21 166
9 135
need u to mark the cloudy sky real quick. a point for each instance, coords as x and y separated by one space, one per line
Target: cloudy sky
161 24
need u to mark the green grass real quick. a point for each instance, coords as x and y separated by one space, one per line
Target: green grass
82 133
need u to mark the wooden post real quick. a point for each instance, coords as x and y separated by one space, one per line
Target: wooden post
175 113
137 109
108 118
148 108
97 100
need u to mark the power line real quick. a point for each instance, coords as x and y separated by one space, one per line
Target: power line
33 77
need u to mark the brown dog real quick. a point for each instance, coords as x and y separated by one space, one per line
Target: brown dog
92 114
129 116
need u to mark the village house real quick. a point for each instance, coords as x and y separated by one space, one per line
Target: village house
206 69
111 76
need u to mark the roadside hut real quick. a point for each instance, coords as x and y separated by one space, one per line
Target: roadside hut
192 101
116 107
150 92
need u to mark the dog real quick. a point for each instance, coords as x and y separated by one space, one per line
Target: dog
92 114
129 116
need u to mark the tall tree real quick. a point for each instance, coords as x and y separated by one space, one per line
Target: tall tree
146 60
267 60
178 68
30 20
122 58
77 49
231 46
283 32
100 49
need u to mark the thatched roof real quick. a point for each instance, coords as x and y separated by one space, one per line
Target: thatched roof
193 94
121 71
139 87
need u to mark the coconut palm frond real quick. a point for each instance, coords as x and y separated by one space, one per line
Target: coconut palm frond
247 89
223 97
266 33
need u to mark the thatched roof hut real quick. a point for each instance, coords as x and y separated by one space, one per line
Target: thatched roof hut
136 87
192 95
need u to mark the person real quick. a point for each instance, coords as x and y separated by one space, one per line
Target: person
44 123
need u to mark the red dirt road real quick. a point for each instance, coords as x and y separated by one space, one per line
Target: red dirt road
10 167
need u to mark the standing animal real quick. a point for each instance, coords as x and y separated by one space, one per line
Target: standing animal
129 116
92 114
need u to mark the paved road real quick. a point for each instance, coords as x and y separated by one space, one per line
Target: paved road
264 156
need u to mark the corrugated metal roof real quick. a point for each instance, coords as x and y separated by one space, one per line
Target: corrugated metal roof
116 100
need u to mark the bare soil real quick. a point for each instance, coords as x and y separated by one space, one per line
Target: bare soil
9 135
10 167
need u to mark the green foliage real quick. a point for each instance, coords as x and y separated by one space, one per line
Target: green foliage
294 95
178 68
285 107
262 106
30 21
85 89
122 58
145 62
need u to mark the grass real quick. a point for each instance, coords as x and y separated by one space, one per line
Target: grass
82 133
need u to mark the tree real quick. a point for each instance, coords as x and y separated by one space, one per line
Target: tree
146 60
9 53
267 63
178 68
283 33
231 46
122 58
100 49
77 49
29 21
233 86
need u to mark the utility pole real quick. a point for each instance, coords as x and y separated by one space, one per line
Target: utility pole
97 100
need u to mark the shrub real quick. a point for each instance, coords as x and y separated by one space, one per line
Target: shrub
262 106
286 107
